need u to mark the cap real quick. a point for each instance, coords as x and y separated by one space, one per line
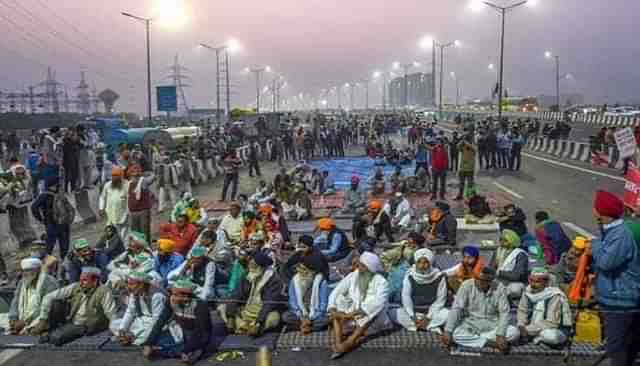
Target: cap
81 243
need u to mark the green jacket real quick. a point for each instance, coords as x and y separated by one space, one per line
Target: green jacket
467 157
97 320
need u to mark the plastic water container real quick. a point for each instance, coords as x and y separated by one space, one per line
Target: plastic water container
588 328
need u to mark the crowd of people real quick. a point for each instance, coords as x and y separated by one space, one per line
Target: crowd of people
202 277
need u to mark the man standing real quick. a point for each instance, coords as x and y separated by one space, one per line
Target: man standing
43 211
616 264
453 151
140 200
354 198
253 159
231 165
114 203
440 164
467 165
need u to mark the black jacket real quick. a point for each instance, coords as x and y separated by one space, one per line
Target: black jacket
271 292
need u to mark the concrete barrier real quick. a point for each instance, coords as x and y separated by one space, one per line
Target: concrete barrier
84 203
21 225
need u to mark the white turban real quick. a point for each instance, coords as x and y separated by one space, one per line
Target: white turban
423 253
372 262
30 264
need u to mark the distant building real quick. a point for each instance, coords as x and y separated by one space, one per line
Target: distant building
419 87
546 101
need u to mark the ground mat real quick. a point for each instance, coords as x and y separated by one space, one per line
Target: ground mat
92 343
249 344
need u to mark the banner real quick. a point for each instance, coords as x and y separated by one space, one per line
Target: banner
632 187
626 141
167 98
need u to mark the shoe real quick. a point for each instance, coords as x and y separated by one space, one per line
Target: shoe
4 280
336 355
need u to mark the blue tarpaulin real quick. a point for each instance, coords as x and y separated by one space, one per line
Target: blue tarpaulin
341 170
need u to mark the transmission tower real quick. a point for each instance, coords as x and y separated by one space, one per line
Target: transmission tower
178 77
84 98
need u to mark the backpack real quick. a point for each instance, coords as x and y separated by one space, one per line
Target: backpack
63 211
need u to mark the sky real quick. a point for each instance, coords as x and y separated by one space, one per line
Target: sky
317 44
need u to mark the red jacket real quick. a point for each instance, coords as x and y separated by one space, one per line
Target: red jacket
439 158
184 239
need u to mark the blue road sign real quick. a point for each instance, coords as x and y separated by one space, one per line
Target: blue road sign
167 98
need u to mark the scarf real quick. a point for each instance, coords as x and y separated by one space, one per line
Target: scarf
507 259
364 279
505 252
539 300
424 278
138 190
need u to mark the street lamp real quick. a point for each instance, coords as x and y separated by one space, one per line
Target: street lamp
476 5
430 42
147 24
258 71
377 75
442 47
232 45
550 55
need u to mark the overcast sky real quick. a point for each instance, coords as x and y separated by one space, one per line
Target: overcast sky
316 44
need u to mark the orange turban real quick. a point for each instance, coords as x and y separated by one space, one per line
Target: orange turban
375 205
326 224
117 172
265 209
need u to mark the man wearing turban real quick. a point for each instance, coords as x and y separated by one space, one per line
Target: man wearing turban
358 305
544 314
470 267
30 290
113 204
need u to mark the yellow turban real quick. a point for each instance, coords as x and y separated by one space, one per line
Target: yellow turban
166 245
580 242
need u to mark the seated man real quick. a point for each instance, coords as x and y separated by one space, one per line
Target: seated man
50 264
143 319
397 261
250 225
513 218
110 244
200 270
81 309
552 238
166 260
253 309
470 267
565 270
397 180
193 318
399 210
332 242
82 256
308 299
120 267
182 233
354 198
305 253
512 264
479 316
238 272
377 183
544 314
30 290
329 184
378 222
232 223
358 305
442 226
424 295
196 215
302 205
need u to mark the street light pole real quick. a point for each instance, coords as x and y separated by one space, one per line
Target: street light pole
226 67
558 83
258 73
442 48
433 72
366 93
147 23
503 12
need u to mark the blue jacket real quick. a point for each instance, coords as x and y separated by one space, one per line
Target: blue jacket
321 308
174 261
617 267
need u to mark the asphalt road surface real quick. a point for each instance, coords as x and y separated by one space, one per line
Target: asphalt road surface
306 358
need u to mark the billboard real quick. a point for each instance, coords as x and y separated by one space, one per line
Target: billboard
167 98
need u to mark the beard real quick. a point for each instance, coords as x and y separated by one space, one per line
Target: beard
254 274
364 279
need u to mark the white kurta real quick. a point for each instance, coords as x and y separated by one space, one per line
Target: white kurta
406 315
115 204
346 298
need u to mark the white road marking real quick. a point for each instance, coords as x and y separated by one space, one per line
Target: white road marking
561 164
569 166
8 355
514 194
577 229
